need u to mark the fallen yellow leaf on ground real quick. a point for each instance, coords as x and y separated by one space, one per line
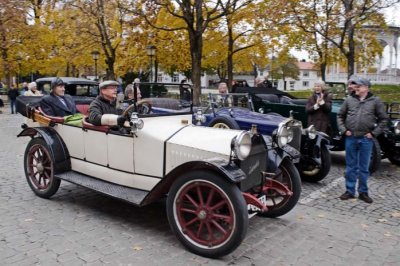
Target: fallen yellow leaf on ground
382 220
137 248
396 214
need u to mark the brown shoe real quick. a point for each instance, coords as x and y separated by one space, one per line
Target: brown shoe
364 197
347 195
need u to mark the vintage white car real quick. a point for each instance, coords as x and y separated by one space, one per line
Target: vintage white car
214 180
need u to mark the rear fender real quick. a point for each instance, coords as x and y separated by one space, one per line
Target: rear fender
57 148
230 172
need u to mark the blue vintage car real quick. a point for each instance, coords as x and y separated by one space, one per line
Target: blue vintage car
236 111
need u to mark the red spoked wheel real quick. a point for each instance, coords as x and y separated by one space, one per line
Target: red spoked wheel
280 200
207 213
39 169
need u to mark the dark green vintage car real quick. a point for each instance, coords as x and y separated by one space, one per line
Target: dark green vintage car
387 145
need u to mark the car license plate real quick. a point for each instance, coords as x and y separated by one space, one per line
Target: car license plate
253 208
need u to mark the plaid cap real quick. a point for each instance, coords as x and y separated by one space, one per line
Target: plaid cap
106 83
363 81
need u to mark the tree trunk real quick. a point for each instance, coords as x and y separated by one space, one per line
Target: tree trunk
230 57
350 56
322 68
196 44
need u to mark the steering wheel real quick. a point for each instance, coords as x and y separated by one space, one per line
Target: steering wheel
142 107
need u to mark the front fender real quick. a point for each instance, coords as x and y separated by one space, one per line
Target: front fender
311 148
229 171
277 155
56 145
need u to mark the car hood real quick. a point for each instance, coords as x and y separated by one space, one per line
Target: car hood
266 123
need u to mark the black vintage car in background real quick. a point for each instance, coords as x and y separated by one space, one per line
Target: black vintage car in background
387 145
73 86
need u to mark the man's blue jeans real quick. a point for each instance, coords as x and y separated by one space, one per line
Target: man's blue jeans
12 105
358 156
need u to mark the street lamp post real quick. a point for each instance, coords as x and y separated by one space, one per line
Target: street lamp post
95 56
151 52
19 59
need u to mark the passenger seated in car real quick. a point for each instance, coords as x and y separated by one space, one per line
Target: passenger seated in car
103 110
57 103
223 99
129 96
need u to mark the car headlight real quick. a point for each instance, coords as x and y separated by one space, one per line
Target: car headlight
397 127
311 132
242 145
200 117
261 110
284 135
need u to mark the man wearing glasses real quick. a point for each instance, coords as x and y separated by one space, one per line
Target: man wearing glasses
361 118
103 110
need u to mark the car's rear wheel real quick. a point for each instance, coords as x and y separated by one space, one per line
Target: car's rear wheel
376 157
39 169
394 157
315 173
224 122
279 202
207 213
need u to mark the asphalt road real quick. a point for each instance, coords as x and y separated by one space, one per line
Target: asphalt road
80 227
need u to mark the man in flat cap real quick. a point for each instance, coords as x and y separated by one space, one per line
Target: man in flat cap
103 110
361 118
57 103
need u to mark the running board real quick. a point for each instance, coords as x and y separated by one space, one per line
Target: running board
131 195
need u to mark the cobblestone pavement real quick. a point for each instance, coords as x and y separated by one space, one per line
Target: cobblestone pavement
78 226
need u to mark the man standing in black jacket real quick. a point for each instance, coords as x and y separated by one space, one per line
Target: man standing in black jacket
12 95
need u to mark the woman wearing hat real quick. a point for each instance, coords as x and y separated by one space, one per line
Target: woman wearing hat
57 103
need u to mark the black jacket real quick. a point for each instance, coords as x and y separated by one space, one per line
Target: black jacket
362 117
99 107
51 105
13 94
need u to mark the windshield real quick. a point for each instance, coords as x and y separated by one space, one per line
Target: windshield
218 100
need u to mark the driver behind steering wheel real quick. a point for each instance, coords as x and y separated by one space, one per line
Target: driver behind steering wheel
103 110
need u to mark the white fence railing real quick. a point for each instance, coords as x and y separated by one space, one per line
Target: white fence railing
374 78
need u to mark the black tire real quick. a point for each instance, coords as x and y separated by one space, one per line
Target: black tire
376 157
290 177
316 175
39 169
224 122
394 157
185 204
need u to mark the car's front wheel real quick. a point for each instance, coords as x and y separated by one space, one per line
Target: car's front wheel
277 201
39 169
207 213
315 173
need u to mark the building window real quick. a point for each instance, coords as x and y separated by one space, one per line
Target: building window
291 85
159 77
306 74
175 78
305 83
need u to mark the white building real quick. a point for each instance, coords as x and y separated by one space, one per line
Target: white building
307 77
